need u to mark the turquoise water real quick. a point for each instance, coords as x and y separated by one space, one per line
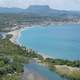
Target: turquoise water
57 41
49 75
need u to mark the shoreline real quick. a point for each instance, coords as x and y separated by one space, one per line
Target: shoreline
68 71
16 35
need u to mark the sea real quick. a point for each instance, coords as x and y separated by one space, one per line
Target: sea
56 41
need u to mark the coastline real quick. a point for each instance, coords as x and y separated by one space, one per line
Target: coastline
45 56
16 35
67 71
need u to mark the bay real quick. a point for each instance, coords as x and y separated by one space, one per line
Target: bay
57 41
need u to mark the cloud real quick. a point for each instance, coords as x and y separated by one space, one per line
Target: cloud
65 4
55 4
14 3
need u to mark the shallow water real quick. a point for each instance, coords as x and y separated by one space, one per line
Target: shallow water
57 41
2 34
42 73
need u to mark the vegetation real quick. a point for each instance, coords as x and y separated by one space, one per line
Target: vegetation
12 59
13 56
63 62
12 21
71 73
66 68
11 77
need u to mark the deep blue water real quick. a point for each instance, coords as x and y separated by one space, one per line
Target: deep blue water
57 41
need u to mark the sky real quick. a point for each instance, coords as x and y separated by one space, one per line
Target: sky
55 4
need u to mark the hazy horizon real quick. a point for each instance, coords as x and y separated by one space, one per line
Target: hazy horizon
54 4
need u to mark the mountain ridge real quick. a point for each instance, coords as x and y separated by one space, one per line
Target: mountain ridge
44 10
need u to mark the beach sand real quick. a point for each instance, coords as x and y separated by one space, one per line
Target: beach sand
16 34
44 55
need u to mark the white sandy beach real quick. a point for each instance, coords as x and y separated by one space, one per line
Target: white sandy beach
16 34
44 55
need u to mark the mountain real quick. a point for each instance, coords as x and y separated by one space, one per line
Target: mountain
47 11
38 9
42 11
10 10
